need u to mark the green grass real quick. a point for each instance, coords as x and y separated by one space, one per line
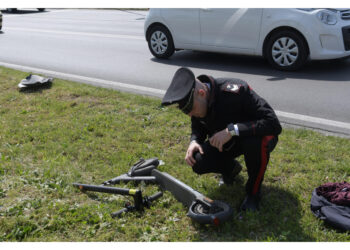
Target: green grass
79 133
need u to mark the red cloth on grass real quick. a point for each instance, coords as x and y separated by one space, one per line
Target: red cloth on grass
337 193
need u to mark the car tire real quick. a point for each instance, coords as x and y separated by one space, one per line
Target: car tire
41 9
286 50
160 42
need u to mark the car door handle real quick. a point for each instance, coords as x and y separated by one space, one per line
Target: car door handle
206 9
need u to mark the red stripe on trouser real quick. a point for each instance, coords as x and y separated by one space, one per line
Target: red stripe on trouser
263 165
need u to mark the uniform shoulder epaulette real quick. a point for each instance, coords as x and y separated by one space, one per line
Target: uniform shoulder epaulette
231 87
234 85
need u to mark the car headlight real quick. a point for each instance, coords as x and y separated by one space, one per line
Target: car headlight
327 17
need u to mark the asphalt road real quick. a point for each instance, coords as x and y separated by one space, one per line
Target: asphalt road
107 48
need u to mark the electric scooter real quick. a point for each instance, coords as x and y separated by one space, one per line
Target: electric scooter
201 209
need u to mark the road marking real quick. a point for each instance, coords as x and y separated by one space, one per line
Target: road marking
313 119
151 91
77 33
160 92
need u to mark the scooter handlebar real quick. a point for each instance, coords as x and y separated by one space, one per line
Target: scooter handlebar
118 213
155 196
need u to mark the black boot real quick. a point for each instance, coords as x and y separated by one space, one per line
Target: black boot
250 203
228 179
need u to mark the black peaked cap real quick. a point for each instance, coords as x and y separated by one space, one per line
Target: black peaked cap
181 85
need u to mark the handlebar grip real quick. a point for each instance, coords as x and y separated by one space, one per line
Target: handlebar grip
118 213
155 196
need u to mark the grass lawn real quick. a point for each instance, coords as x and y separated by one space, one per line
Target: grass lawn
79 133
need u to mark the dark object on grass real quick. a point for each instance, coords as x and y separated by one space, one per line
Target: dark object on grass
201 209
323 208
35 82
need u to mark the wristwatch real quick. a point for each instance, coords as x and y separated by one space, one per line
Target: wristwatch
233 129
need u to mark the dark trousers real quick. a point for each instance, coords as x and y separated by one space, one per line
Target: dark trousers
256 151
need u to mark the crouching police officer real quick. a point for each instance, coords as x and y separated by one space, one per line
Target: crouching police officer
228 119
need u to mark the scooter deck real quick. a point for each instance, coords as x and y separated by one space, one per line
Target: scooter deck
180 190
213 212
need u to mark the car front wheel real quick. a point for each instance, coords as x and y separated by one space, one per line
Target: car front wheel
286 50
160 42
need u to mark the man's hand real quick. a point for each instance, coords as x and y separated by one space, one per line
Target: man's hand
220 138
193 147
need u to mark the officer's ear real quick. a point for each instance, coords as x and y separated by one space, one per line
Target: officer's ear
201 92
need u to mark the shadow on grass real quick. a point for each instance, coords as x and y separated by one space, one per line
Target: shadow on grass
277 220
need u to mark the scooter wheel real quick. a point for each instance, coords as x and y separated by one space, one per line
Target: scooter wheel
216 213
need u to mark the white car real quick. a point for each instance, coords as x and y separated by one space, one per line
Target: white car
287 38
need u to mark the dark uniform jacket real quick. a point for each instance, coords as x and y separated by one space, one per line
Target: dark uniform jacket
233 101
